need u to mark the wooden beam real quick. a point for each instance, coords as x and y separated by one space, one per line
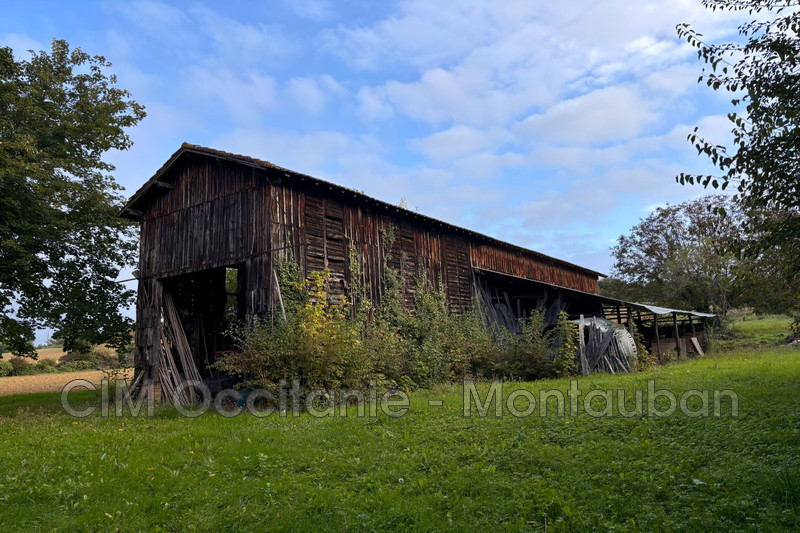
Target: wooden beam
582 348
164 184
676 334
278 293
658 343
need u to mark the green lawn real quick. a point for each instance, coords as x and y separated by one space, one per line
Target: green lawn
431 470
749 325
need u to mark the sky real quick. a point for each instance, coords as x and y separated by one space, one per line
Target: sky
552 125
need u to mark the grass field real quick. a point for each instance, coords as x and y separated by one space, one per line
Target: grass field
42 353
50 382
761 326
431 470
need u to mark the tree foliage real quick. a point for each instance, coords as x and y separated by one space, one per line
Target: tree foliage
690 256
61 244
762 73
683 256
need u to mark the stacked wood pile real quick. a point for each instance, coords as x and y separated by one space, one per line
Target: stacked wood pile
498 309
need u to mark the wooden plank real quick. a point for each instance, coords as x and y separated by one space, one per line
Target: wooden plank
697 347
582 347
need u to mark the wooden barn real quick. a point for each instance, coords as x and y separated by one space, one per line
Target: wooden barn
213 225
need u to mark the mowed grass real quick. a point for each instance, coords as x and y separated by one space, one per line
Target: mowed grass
749 325
430 470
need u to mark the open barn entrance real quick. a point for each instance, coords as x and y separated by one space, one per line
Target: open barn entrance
205 303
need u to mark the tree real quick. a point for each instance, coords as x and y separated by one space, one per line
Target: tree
683 256
763 75
61 244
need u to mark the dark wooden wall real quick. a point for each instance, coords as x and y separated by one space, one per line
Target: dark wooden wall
212 213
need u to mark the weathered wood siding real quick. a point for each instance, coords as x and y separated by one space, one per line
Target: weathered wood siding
213 213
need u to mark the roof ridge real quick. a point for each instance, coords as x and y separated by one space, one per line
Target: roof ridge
128 209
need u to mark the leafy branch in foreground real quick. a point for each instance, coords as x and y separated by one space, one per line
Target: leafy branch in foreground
762 74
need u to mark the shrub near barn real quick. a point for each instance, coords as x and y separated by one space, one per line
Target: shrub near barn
328 343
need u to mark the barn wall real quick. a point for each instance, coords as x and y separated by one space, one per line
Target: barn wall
214 216
219 213
331 223
509 261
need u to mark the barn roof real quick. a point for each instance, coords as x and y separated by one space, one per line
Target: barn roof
135 206
608 300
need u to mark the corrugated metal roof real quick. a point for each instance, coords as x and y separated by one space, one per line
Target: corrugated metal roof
667 311
607 299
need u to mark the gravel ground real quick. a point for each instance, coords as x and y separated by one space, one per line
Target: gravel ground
48 382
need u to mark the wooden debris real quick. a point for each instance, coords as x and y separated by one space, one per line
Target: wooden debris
170 376
599 348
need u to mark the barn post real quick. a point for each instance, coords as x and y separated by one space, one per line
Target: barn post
676 334
630 320
658 338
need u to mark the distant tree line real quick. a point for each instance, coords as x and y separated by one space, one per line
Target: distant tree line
702 255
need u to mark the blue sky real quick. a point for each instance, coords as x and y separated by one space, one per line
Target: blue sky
552 125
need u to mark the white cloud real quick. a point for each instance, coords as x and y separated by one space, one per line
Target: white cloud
313 94
600 117
236 42
488 165
157 18
312 153
676 80
456 142
546 124
421 33
246 97
372 104
21 44
311 9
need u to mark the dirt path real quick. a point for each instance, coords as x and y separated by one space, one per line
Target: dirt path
48 382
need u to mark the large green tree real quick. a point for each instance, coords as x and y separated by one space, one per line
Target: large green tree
762 73
683 256
61 244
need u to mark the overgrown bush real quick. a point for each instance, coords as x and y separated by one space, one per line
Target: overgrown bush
6 368
645 358
20 365
71 357
77 366
564 346
75 361
45 366
330 342
90 360
317 344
